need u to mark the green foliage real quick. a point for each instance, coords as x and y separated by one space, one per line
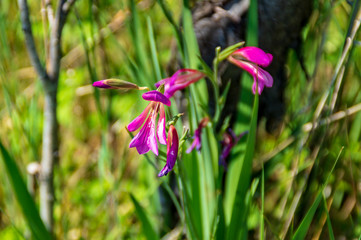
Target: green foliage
271 177
23 197
148 227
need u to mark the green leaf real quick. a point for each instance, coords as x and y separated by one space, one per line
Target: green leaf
244 115
148 228
238 214
23 197
262 207
140 46
328 219
226 52
153 50
306 221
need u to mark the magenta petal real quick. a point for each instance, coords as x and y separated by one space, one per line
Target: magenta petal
183 78
138 121
152 141
164 171
156 96
163 81
172 151
265 77
260 75
195 143
140 140
260 87
255 55
270 57
172 89
100 84
161 126
145 140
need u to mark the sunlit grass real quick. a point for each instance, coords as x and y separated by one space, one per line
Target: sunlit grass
93 195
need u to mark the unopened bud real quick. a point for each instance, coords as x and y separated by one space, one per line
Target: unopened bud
117 84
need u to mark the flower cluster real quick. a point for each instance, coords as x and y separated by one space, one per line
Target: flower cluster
146 138
152 131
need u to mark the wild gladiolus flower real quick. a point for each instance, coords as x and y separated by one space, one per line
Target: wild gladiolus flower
146 140
197 142
179 80
172 151
230 139
250 59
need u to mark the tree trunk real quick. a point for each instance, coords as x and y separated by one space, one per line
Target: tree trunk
280 22
50 155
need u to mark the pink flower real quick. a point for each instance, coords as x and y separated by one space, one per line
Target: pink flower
172 151
179 80
229 141
146 140
197 142
250 59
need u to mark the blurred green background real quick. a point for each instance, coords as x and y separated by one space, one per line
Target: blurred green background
97 171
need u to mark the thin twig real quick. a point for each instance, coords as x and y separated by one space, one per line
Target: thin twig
49 78
29 41
341 62
307 127
50 12
67 5
45 28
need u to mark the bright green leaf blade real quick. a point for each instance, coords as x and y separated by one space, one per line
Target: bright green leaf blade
148 227
23 197
306 222
204 202
238 209
328 219
153 50
262 207
244 113
139 45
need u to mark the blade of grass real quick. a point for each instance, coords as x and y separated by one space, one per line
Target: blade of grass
178 34
186 200
148 228
23 197
244 115
220 221
153 50
306 221
238 213
202 179
262 207
328 219
139 44
248 204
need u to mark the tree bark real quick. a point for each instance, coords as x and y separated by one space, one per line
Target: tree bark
50 155
49 78
280 22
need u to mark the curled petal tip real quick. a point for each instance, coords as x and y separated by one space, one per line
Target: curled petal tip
164 171
254 55
156 96
270 57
